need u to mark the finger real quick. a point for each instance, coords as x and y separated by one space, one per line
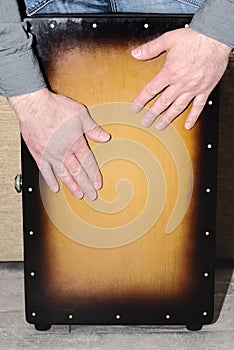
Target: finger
197 107
150 90
151 49
177 107
68 179
48 175
87 161
75 170
91 129
85 184
167 97
97 134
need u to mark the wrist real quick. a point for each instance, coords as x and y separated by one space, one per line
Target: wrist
220 44
26 105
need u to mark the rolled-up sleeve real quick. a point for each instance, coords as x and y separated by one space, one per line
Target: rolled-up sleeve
19 69
216 20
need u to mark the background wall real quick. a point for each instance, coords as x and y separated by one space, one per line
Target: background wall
10 200
11 246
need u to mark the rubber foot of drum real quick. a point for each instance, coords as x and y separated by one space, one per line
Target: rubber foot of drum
194 327
42 327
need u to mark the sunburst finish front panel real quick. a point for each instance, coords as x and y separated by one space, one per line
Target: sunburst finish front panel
143 252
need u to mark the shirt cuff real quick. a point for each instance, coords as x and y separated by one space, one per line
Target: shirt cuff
19 68
215 19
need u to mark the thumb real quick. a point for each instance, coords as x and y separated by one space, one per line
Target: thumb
151 49
97 134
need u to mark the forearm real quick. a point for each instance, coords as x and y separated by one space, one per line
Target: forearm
216 20
19 68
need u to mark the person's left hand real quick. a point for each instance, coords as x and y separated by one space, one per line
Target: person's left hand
194 65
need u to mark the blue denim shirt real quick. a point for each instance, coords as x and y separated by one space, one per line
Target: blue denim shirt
100 6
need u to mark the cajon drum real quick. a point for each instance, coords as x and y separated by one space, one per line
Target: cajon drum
143 252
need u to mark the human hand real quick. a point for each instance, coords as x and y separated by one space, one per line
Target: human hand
194 64
53 127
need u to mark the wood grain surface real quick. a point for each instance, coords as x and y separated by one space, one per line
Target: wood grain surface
10 202
16 334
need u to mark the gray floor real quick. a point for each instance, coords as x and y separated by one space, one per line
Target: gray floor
15 333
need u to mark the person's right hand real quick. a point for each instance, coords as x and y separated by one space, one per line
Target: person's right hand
54 128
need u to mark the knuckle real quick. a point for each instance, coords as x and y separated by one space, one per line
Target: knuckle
164 102
167 119
75 173
147 49
190 84
63 176
199 104
150 90
178 107
171 72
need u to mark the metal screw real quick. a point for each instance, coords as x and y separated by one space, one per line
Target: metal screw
146 25
117 317
94 25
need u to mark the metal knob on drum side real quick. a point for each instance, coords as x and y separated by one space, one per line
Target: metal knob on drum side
18 183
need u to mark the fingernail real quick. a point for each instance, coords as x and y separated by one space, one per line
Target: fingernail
91 196
54 188
97 185
148 118
135 108
161 125
145 122
136 52
104 136
78 195
188 125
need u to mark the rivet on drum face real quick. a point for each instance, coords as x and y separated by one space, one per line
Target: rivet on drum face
52 25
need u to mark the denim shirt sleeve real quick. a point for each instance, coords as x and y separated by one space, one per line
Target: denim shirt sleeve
19 68
216 20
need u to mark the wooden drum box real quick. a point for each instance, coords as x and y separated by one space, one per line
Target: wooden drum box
143 252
